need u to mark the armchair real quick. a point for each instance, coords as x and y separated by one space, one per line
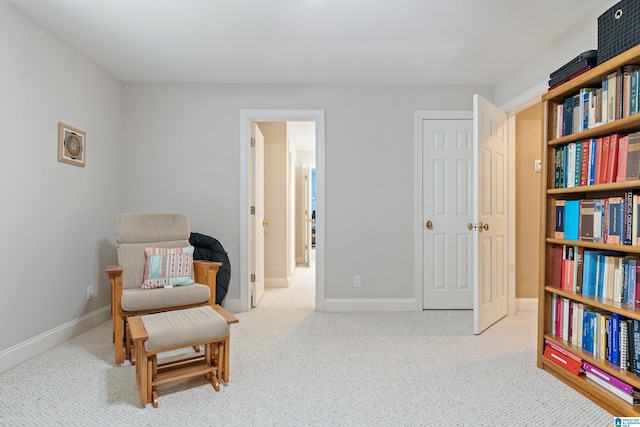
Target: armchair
134 233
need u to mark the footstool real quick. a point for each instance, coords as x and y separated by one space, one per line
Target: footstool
171 330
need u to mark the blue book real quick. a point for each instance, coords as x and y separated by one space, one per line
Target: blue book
592 161
588 328
600 285
616 208
615 338
589 272
572 219
625 280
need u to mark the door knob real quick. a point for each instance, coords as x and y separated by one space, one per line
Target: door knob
486 227
265 223
429 225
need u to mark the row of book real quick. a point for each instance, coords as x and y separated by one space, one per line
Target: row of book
611 158
577 366
613 220
593 273
616 98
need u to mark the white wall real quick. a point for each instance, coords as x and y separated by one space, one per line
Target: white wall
369 168
57 219
576 40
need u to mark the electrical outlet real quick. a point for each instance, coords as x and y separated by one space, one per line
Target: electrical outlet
357 281
90 294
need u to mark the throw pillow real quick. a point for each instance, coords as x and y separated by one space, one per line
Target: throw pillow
168 267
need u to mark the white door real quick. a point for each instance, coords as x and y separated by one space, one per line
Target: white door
490 214
447 182
256 156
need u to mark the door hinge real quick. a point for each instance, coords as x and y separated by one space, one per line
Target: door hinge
253 210
253 278
253 142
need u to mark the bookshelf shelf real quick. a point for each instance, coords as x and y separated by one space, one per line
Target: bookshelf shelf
549 291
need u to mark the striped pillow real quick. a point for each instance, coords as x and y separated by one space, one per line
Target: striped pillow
168 267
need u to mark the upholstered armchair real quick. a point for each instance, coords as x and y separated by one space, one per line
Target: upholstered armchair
147 244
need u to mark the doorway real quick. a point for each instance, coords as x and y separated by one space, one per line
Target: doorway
296 116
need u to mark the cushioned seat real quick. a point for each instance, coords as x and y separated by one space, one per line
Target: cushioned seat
156 272
182 328
143 299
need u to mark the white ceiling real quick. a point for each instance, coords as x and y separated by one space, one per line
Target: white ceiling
310 41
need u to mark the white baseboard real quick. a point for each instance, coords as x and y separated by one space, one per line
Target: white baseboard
526 304
356 305
278 282
32 347
405 304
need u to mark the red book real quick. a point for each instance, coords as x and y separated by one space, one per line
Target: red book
563 360
584 170
604 168
623 142
612 166
598 171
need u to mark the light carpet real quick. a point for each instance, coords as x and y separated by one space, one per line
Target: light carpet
292 366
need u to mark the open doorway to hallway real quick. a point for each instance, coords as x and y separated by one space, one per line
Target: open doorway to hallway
249 119
289 198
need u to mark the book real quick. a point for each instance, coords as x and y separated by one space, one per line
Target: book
567 122
598 173
610 379
624 344
598 220
559 227
593 148
612 158
615 338
584 164
563 360
572 219
589 272
633 93
587 220
623 143
571 165
607 386
626 235
604 171
615 220
568 265
633 157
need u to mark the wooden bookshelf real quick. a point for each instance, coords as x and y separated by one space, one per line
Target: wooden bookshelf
551 100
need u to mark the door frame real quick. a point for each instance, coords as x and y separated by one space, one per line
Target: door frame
247 116
419 116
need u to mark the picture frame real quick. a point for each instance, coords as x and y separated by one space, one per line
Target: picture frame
72 145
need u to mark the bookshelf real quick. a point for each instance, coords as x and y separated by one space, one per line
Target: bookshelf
548 290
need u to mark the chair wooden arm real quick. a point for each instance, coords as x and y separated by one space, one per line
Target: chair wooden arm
230 318
205 272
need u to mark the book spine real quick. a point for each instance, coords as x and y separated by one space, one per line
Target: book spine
621 385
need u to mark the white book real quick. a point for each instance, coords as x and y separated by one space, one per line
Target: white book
571 165
621 394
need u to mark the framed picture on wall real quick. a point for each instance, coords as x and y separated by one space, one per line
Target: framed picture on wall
72 145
